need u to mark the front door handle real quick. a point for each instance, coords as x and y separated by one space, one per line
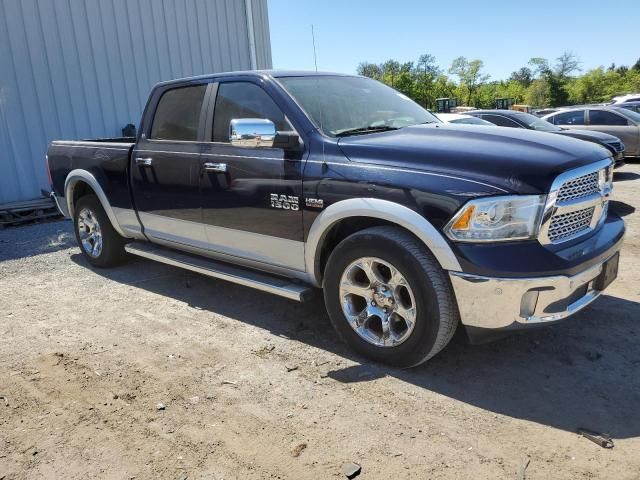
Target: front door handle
144 161
215 167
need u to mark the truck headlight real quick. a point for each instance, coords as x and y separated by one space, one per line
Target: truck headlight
490 219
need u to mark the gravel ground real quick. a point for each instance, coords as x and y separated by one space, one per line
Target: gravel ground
147 371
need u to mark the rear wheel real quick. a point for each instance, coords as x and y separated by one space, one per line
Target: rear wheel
97 238
388 297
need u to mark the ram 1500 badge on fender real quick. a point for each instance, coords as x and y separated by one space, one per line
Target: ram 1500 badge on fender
290 181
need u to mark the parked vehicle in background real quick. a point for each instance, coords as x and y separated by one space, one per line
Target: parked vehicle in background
544 111
511 118
286 181
633 106
619 122
462 109
462 118
630 97
521 108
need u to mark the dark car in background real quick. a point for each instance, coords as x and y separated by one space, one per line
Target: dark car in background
621 122
514 119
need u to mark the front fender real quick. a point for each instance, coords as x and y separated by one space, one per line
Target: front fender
381 209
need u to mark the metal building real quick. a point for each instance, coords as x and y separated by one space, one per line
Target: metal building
73 69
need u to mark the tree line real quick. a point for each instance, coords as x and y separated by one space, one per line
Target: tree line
540 83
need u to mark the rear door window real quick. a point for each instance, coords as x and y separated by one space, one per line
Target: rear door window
602 117
177 116
569 118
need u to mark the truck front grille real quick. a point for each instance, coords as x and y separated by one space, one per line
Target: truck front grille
579 187
570 224
577 202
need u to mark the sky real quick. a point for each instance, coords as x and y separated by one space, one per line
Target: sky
504 34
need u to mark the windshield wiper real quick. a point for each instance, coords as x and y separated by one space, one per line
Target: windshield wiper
363 130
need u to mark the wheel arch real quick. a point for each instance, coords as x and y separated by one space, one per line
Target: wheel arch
371 212
82 179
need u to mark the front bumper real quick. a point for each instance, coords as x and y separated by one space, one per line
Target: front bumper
489 304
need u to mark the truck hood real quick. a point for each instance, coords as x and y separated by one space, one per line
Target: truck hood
516 160
590 135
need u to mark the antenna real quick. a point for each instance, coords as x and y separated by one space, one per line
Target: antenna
313 39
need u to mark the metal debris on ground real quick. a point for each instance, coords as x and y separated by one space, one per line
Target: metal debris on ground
161 406
19 212
291 368
6 399
522 472
601 439
351 470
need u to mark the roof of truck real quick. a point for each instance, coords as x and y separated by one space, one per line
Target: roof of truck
257 73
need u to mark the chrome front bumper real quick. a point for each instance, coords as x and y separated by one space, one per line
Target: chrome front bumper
512 303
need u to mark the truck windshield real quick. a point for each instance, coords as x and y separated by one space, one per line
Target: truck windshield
342 106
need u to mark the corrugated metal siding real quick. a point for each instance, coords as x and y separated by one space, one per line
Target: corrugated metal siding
261 29
72 69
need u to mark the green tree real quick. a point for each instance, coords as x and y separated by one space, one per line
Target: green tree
470 75
370 70
390 71
524 76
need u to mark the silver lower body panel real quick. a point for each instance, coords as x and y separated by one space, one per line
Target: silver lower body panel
512 303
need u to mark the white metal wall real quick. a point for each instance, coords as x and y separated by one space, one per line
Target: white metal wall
72 69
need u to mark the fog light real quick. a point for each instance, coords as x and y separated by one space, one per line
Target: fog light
528 303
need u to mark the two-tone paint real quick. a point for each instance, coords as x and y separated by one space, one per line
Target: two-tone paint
416 177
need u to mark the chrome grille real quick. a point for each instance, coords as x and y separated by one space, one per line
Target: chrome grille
569 224
577 202
579 187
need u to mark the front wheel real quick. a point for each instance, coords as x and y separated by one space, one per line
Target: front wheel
388 297
98 240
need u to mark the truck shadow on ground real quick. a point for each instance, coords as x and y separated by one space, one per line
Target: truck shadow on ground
581 373
35 239
621 208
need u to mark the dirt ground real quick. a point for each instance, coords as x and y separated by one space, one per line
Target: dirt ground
146 371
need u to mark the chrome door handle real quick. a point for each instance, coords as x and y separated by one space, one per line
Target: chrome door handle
144 161
215 167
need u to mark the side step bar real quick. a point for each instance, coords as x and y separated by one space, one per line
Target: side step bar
248 278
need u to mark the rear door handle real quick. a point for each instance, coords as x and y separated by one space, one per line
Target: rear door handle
144 161
214 167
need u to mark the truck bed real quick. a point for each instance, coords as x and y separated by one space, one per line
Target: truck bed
106 159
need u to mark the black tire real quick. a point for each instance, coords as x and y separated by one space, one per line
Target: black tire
436 309
112 250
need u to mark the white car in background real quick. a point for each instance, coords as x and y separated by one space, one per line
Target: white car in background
462 118
630 97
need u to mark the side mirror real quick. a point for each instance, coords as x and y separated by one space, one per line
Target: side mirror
252 132
260 133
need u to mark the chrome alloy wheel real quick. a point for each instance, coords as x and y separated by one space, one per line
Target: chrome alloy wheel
90 233
377 301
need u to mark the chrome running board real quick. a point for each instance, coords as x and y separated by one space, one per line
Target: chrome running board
223 271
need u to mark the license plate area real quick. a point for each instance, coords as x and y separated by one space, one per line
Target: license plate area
608 274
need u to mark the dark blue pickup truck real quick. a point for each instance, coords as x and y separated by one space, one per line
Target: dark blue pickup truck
290 181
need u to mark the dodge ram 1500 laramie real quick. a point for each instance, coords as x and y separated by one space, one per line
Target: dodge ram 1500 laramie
290 181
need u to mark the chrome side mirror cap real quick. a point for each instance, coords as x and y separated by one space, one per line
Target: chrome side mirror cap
252 132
